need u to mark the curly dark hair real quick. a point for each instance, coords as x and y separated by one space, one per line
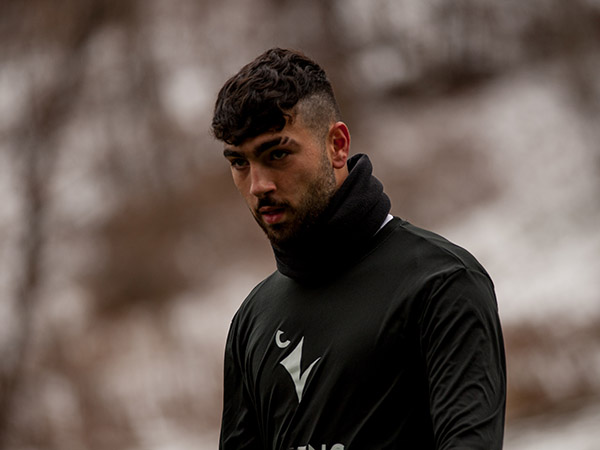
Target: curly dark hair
262 96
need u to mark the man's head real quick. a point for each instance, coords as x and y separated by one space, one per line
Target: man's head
280 123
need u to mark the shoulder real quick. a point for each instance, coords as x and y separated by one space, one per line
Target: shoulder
261 298
427 250
420 262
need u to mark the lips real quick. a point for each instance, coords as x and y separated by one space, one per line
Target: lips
271 214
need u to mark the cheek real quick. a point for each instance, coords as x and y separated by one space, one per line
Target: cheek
238 178
241 185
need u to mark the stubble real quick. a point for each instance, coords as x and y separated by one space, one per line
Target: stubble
306 214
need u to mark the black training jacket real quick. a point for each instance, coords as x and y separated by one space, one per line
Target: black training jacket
402 351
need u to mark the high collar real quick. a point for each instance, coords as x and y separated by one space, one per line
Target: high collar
340 238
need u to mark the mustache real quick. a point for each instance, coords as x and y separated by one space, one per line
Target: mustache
266 201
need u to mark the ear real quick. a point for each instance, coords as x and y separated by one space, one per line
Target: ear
339 140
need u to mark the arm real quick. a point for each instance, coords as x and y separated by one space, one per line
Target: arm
238 426
463 350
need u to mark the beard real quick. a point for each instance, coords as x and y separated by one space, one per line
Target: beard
306 214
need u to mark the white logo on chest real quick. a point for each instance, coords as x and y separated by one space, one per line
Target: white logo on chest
292 364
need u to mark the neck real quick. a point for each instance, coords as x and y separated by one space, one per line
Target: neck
340 237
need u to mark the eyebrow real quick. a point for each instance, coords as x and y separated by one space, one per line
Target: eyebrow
260 149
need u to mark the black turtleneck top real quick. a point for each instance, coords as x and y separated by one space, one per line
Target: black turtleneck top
366 339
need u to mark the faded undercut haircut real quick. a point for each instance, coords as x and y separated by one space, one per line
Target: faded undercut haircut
276 87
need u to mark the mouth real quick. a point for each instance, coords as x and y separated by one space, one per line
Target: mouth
272 214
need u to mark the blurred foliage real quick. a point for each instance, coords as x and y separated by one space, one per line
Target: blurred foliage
567 352
119 218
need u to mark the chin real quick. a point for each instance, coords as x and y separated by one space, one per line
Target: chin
279 236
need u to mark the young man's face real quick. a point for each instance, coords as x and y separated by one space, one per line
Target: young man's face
286 177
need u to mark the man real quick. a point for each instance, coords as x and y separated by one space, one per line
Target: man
372 333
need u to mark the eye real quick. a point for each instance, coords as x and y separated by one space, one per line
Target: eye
278 155
238 163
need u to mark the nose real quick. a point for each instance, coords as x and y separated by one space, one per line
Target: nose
261 182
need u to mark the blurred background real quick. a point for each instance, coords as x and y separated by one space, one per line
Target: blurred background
125 249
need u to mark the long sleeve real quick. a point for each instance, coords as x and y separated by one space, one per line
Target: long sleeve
463 352
238 425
